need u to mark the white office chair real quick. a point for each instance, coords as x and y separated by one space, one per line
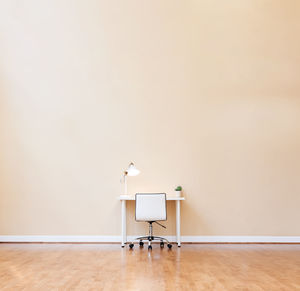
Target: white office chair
151 208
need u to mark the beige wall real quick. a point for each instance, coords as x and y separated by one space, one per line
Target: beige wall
204 94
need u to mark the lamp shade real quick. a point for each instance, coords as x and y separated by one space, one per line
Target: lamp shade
132 170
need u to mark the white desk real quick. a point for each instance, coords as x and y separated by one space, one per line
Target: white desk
125 198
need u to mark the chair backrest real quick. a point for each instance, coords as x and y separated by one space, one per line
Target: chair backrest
150 206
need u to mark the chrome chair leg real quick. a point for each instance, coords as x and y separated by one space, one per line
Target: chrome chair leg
161 238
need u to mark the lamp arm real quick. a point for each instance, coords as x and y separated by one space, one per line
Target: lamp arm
125 183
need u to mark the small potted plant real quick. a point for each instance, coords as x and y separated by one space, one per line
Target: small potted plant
178 190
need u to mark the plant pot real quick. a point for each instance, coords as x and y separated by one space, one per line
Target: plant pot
177 193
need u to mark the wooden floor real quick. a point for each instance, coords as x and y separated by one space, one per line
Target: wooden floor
109 267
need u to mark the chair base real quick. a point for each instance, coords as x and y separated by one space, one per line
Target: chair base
150 238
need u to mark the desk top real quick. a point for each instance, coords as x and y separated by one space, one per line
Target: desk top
132 197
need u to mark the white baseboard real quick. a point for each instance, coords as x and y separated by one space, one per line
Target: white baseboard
184 239
59 238
241 239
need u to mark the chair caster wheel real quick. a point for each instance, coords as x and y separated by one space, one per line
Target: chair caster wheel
169 246
141 244
162 244
149 247
131 246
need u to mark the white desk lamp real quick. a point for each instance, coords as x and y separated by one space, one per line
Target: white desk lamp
131 171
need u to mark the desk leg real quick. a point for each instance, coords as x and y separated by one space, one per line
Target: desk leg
124 236
178 223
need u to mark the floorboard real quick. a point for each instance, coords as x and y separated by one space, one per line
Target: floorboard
109 267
